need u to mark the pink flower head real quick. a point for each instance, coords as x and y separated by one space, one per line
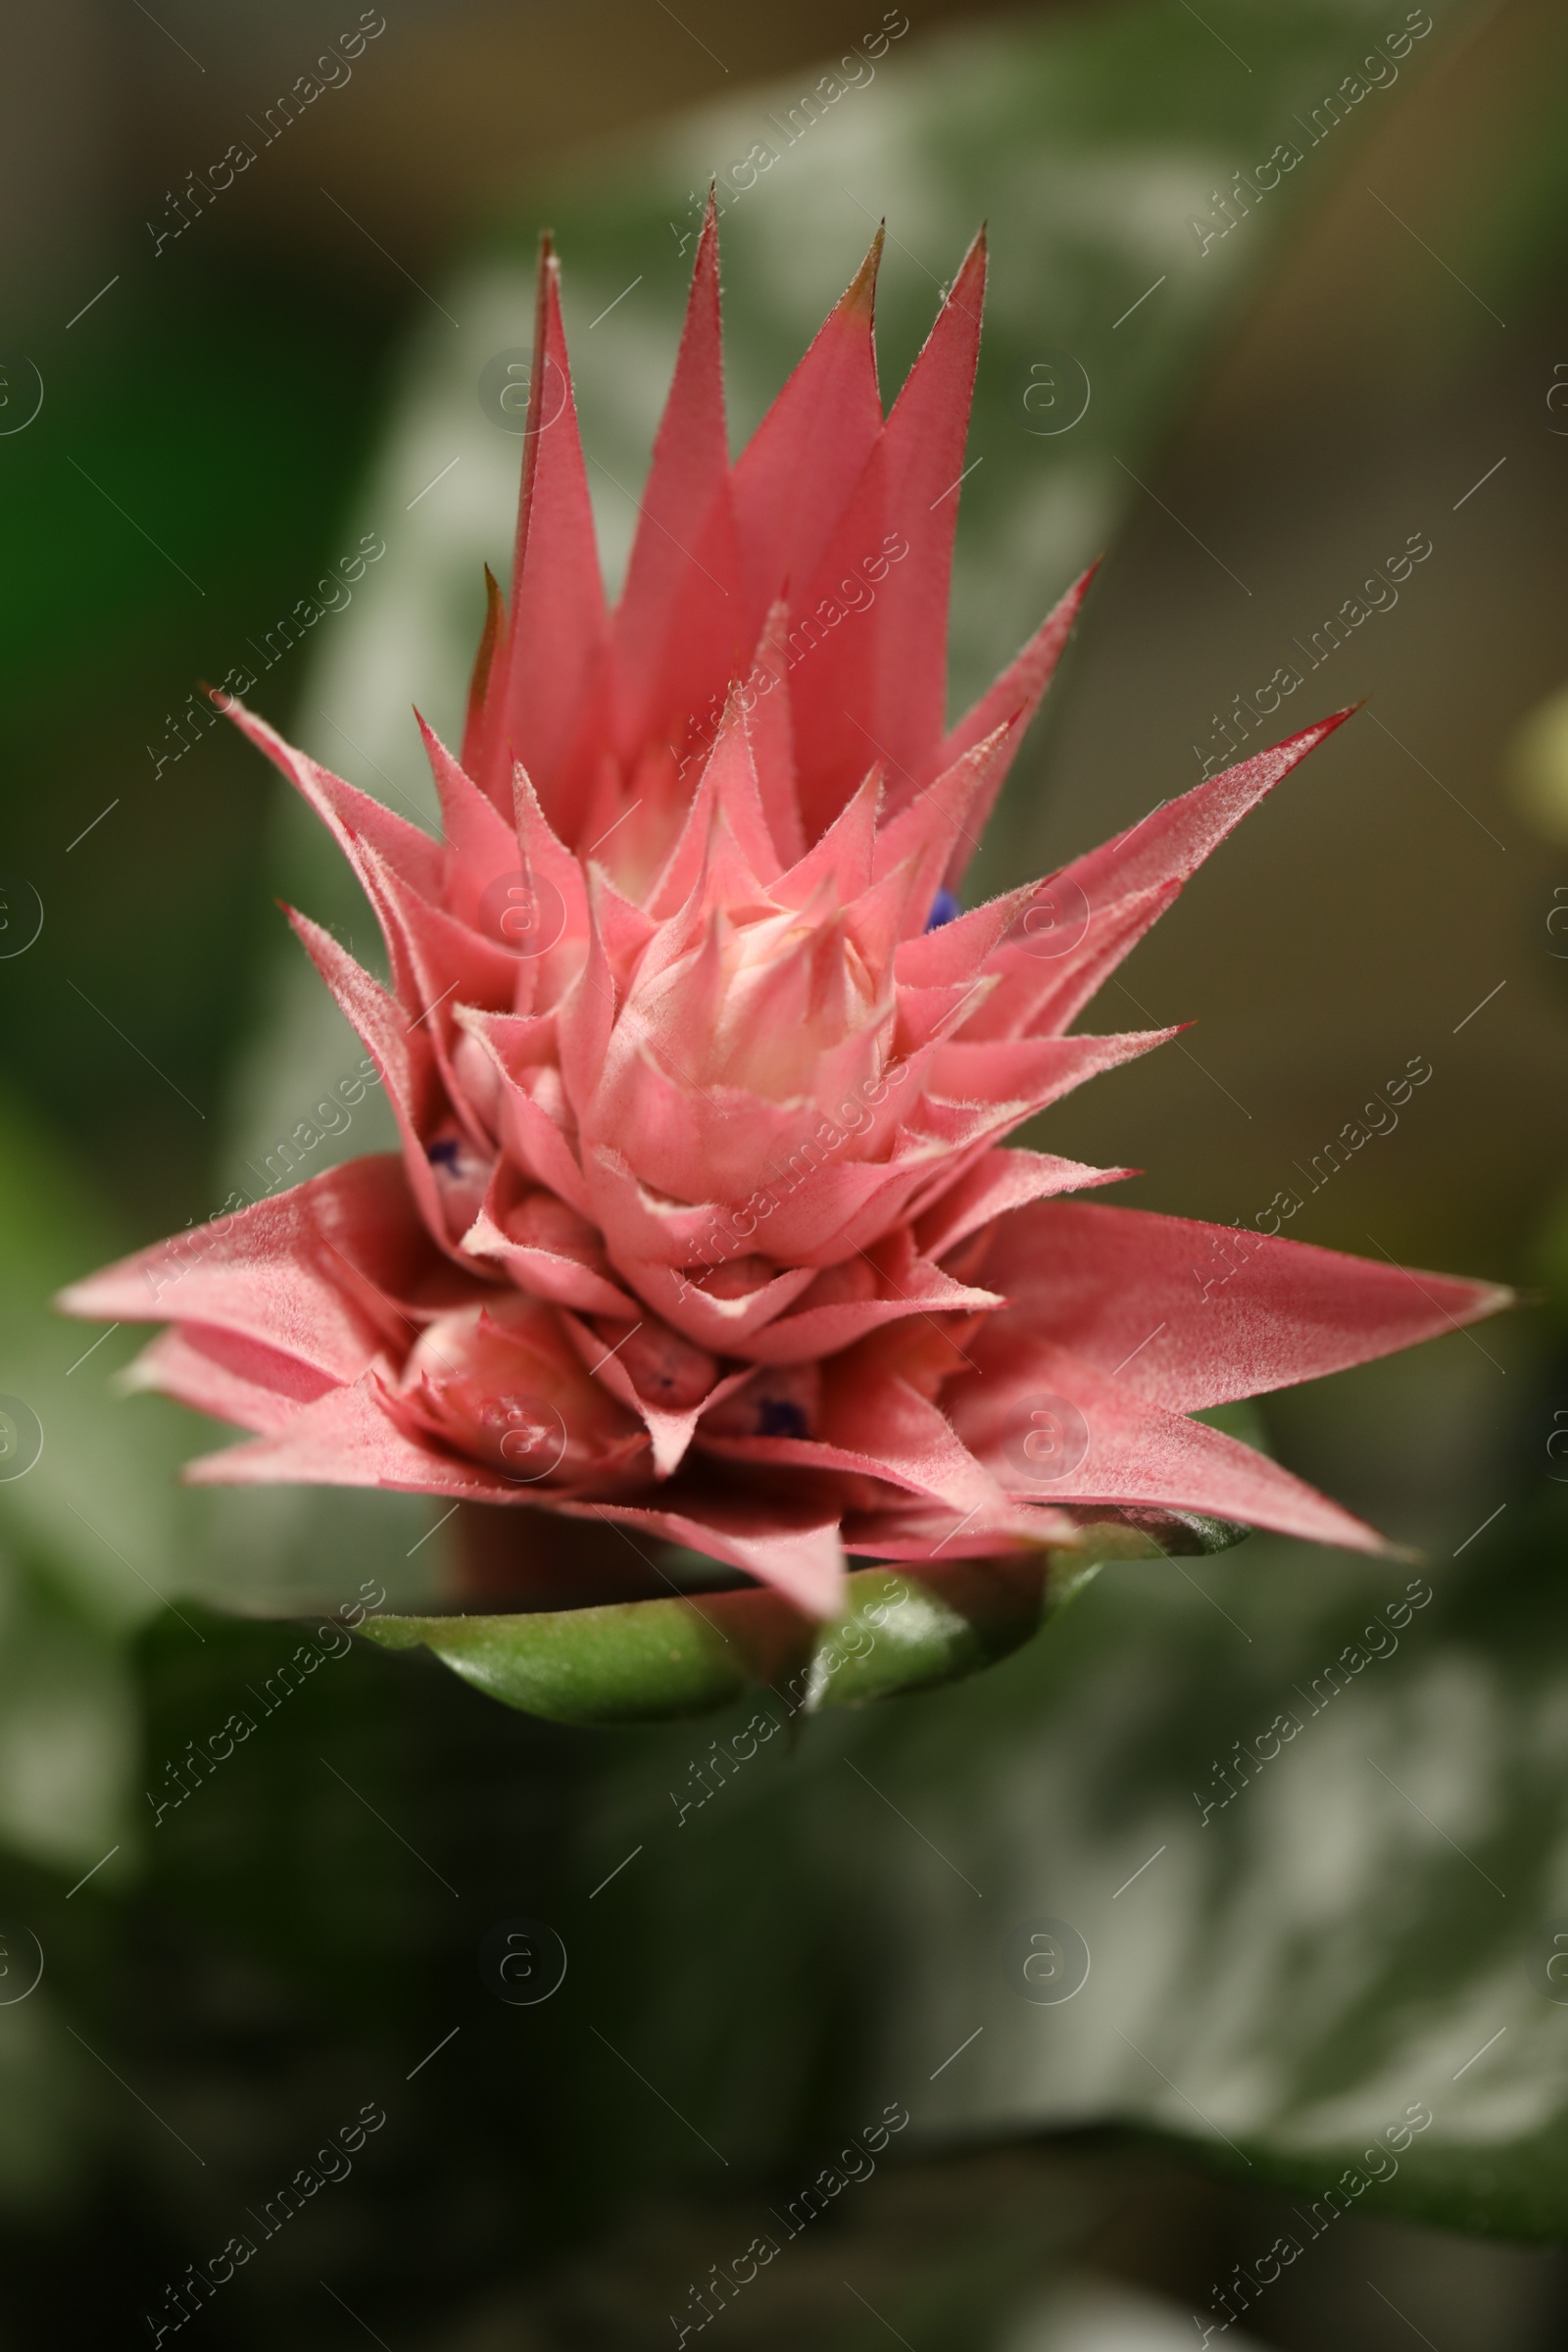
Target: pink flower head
704 1221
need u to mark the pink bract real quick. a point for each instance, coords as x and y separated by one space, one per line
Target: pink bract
703 1222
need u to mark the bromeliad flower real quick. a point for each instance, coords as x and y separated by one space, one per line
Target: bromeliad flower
704 1221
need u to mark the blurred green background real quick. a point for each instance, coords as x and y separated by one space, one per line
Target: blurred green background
1375 351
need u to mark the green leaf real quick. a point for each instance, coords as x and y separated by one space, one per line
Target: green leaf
904 1629
645 1661
632 1662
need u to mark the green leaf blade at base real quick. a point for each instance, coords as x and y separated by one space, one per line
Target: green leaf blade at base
627 1662
903 1629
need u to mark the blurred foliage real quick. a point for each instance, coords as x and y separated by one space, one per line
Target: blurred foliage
220 420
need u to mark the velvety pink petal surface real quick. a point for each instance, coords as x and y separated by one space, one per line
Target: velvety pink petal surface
1190 1315
1133 1451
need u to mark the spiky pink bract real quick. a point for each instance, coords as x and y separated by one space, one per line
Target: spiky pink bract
704 1221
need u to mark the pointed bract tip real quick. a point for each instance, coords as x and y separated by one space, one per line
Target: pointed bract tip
859 295
970 272
1316 731
1075 593
980 751
490 637
548 284
1323 728
706 256
495 607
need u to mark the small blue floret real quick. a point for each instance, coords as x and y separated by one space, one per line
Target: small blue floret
445 1156
780 1417
944 908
